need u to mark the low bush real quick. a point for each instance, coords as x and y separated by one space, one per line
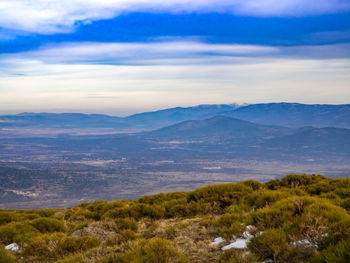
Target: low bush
72 244
17 232
45 225
265 198
126 223
269 245
57 245
155 250
339 253
236 256
5 257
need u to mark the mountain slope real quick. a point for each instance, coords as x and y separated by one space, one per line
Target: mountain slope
294 114
166 117
325 140
218 126
60 120
141 121
226 135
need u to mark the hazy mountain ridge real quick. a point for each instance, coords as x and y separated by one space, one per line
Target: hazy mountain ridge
221 127
295 114
143 121
163 118
262 139
292 115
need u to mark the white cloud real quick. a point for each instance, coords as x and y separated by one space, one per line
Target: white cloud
170 52
52 16
139 53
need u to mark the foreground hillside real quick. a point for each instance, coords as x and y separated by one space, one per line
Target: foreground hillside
299 218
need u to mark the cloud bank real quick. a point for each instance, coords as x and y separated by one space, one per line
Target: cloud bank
55 16
140 53
184 52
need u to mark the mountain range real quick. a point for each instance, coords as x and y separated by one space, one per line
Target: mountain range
291 115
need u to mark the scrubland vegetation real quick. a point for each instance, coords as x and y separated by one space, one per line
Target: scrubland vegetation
299 218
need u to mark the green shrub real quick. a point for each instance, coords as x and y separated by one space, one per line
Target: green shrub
170 232
273 217
319 188
220 195
265 198
16 216
121 237
5 257
45 225
44 212
226 220
185 224
346 203
44 246
73 244
240 208
155 250
176 207
235 229
254 185
343 192
339 253
206 221
5 217
273 184
137 211
295 210
161 198
73 259
337 231
269 245
293 180
80 226
236 256
16 232
57 245
126 223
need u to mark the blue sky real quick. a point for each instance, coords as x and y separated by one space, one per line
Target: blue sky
126 56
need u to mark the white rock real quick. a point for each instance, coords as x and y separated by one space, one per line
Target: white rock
238 244
304 242
12 247
218 240
247 235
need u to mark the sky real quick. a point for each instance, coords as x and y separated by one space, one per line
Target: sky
125 56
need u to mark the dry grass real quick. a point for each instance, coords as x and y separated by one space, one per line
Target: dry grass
193 239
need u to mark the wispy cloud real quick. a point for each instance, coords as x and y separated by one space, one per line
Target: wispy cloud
42 16
169 52
139 53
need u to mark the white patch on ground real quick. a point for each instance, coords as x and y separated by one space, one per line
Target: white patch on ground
218 241
12 247
241 243
304 243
